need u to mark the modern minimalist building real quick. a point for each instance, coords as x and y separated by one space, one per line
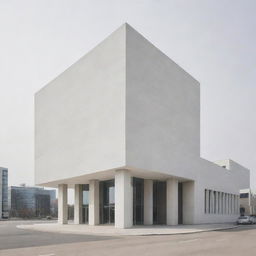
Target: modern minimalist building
28 202
248 202
3 193
122 127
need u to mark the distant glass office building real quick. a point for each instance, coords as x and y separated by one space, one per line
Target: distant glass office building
27 202
3 192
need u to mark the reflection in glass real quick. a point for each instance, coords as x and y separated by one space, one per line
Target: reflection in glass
138 201
85 205
159 202
107 201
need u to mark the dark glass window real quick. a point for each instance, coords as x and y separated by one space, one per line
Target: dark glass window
205 201
180 203
159 202
138 201
107 201
244 195
85 206
214 201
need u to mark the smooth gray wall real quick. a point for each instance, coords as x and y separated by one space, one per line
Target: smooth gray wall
80 115
162 108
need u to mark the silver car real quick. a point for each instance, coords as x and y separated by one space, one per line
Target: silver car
253 218
245 220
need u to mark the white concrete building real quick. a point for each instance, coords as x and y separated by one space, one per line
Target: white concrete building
122 127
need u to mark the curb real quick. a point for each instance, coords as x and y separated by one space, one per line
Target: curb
109 234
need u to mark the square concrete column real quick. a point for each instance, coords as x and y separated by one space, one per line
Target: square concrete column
172 202
94 203
78 204
238 204
123 199
148 202
189 200
62 204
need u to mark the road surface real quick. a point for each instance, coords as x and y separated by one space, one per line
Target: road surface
239 241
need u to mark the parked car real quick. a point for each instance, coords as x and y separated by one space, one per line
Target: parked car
253 218
245 220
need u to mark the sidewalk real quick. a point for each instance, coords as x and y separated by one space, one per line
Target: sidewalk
109 230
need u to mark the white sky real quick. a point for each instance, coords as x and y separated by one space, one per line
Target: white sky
215 41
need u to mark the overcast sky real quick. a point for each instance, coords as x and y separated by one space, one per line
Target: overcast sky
215 41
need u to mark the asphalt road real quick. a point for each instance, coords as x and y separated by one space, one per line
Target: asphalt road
235 242
12 237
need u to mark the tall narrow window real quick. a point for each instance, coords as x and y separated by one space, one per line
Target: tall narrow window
205 201
138 201
214 201
210 201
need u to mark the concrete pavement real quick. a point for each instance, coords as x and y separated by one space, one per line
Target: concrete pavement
110 230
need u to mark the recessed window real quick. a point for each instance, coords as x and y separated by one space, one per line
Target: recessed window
244 195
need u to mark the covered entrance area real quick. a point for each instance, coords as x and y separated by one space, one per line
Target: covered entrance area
126 200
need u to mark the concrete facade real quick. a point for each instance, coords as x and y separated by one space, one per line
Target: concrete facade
123 111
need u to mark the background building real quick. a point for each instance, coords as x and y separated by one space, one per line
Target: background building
27 202
3 192
247 202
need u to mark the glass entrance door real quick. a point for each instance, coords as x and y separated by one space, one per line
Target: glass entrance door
159 202
107 202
